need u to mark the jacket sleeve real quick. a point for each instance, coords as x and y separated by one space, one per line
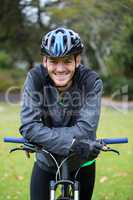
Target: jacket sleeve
57 140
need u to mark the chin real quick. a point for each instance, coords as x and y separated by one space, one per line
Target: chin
61 84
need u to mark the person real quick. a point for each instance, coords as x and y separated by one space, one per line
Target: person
61 103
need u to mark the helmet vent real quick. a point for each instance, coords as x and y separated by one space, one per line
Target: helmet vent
53 40
70 33
65 39
46 42
72 40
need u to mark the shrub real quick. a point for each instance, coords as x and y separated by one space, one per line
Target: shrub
11 77
117 87
5 60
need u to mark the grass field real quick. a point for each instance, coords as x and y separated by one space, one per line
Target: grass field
114 180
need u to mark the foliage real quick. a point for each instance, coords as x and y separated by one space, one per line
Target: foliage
19 35
11 78
118 88
120 61
5 60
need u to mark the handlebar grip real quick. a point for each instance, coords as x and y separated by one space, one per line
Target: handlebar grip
115 140
14 140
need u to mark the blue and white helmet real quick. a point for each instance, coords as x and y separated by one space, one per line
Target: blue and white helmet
61 42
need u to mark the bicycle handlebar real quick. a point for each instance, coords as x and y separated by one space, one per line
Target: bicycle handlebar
104 140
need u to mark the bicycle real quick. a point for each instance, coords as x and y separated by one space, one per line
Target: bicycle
69 190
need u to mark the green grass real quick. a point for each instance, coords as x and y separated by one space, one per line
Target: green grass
14 168
114 180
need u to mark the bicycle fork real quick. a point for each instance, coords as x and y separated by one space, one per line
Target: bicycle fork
64 194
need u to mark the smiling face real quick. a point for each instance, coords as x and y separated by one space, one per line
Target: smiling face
61 70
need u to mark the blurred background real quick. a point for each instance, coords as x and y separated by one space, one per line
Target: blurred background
106 29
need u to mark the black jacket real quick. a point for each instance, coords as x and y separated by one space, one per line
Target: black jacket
53 120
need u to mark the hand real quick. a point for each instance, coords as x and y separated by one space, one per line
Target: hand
86 149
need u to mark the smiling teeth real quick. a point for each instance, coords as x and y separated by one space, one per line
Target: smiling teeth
60 74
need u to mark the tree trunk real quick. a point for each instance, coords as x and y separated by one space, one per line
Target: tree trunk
99 59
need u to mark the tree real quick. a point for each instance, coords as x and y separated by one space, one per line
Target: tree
19 35
120 59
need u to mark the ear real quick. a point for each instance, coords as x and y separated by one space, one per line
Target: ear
44 61
78 60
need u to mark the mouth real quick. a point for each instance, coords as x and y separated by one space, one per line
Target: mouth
64 73
61 80
61 76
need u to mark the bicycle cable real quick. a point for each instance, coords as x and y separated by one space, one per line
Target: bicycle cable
58 170
57 165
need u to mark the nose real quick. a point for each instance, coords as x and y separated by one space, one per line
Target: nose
60 67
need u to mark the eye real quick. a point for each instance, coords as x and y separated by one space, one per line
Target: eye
67 61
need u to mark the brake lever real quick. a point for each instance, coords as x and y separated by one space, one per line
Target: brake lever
28 148
16 149
107 148
27 152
